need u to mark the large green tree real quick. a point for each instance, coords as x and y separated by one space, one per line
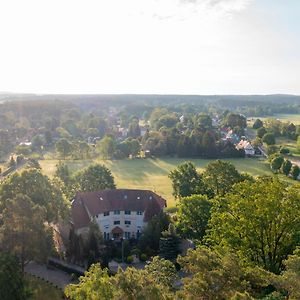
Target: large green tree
169 243
220 176
192 216
186 181
153 283
38 188
260 220
12 283
106 147
94 178
218 275
23 231
63 147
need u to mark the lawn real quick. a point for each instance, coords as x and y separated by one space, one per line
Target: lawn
43 290
152 174
293 118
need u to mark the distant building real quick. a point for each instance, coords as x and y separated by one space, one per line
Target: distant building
119 213
247 147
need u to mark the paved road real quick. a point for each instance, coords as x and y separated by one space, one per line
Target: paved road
56 277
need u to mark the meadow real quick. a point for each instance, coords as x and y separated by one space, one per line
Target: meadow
152 174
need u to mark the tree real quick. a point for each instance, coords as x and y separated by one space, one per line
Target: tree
217 275
261 132
95 284
289 280
286 167
37 143
130 284
163 271
260 220
94 178
192 216
93 132
94 243
106 147
63 173
258 124
232 120
134 130
38 188
23 232
83 149
12 162
48 137
63 147
220 176
186 181
295 171
209 144
269 139
12 284
276 163
149 240
169 244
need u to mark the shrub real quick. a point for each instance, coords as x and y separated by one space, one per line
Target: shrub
129 259
284 150
143 257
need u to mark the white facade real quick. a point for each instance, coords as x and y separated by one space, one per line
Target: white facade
131 223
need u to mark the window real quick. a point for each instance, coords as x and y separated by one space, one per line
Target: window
127 222
127 212
116 222
106 235
127 235
106 213
139 213
116 212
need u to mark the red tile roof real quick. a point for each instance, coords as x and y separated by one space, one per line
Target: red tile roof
117 199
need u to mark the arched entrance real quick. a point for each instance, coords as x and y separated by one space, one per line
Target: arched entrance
117 233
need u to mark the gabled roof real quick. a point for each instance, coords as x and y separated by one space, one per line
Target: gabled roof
94 203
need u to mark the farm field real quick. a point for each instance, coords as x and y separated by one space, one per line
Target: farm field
152 174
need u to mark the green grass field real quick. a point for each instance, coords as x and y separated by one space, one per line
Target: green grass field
152 174
293 118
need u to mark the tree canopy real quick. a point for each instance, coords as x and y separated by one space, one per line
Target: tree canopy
260 220
95 177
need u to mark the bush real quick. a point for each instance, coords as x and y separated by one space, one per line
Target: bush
284 150
269 139
143 257
129 259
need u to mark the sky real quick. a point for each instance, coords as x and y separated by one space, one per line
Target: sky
150 46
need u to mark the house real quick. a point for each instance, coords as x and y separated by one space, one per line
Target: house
247 147
119 213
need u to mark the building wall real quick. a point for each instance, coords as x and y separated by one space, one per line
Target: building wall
106 223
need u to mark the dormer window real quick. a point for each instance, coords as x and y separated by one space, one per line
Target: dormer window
127 212
106 213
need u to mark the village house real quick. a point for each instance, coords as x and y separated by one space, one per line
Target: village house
247 147
119 213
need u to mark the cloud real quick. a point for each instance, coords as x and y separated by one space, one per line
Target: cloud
186 9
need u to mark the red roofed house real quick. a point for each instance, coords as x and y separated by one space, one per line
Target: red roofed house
120 213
